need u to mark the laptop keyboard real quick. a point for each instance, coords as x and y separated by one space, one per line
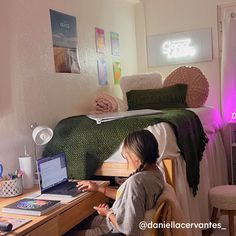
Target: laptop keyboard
68 188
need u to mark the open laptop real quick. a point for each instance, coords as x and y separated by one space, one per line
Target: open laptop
53 177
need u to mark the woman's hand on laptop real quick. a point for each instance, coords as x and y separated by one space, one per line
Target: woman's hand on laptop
87 186
91 186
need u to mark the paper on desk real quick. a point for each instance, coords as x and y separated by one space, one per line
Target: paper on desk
63 200
38 195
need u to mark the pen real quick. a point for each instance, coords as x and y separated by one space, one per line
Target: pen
10 176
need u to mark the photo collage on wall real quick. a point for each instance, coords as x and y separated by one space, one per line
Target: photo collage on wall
101 62
65 42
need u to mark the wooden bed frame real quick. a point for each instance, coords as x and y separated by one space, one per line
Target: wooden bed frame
121 170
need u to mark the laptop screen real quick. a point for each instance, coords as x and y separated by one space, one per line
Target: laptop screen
52 171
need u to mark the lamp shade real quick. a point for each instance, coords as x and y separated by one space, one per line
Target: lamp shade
42 135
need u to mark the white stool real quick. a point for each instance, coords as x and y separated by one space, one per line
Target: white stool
224 198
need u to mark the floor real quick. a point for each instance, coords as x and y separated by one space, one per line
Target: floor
224 224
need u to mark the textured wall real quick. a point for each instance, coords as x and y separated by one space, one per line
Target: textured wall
30 90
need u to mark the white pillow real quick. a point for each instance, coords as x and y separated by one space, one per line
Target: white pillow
152 80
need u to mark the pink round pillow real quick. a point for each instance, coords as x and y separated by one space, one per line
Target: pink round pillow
198 86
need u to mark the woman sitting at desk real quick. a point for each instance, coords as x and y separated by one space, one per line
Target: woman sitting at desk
136 195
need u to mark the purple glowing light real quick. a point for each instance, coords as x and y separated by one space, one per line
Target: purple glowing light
233 116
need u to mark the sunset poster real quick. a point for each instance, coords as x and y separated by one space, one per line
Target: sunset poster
65 42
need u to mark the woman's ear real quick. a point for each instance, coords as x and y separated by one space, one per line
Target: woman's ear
138 161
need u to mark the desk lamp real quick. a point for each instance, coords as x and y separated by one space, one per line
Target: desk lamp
41 136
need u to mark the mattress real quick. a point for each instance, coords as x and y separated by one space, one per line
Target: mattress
210 118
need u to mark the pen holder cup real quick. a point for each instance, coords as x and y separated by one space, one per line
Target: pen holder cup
11 188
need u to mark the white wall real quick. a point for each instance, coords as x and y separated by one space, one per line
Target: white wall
162 17
30 90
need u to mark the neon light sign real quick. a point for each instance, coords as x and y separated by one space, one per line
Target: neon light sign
178 48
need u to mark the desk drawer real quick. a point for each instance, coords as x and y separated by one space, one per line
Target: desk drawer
48 228
72 216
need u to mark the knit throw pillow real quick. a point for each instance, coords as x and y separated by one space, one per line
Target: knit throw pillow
198 86
152 80
162 98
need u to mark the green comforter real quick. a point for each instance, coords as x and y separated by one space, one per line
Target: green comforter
87 144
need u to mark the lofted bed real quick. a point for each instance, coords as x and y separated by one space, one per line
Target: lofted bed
213 166
95 148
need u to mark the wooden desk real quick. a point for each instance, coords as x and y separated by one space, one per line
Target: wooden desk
59 220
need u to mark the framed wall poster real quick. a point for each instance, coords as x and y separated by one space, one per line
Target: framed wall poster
100 40
102 72
115 47
65 43
116 72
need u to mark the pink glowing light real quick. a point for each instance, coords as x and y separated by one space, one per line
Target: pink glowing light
233 116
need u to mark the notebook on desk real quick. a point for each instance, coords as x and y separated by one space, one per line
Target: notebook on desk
53 177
